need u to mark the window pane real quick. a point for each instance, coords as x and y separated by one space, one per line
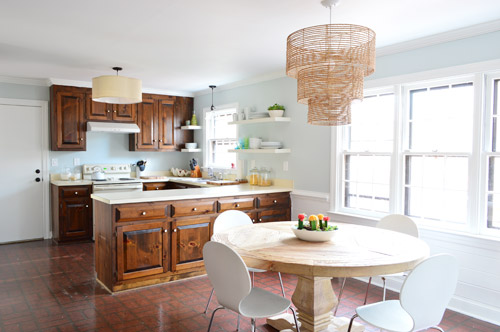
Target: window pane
496 127
436 187
493 215
220 138
440 118
366 182
372 124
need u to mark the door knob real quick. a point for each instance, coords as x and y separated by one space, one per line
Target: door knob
37 171
38 180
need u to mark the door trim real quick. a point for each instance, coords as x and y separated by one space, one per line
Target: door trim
44 107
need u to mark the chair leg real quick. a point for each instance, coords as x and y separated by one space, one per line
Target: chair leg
209 299
340 296
253 324
367 288
212 318
281 284
295 319
352 320
437 328
253 279
238 324
383 294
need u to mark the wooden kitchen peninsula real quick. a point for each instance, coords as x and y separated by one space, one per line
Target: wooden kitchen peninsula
150 237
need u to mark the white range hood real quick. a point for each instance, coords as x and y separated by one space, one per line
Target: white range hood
113 127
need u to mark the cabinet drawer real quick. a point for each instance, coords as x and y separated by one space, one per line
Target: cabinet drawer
67 192
273 200
155 186
274 215
193 208
236 203
132 212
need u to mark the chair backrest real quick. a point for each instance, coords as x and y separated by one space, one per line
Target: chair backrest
428 289
229 219
227 273
399 223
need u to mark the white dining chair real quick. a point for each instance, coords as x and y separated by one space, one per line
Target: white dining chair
393 222
229 219
422 301
230 278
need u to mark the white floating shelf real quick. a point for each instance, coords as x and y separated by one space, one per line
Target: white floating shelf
263 120
261 151
190 150
190 127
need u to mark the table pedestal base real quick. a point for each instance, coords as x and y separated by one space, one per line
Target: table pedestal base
285 323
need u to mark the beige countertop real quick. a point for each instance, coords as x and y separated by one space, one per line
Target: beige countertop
191 193
185 180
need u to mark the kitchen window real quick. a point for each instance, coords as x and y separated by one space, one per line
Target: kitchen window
429 150
220 137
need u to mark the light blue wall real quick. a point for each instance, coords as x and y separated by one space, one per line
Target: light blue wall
101 147
309 162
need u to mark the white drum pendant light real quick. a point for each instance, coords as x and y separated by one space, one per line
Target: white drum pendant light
116 89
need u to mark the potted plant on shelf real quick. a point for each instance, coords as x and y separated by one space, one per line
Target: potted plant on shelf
276 110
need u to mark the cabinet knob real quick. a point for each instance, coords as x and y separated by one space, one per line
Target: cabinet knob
260 219
109 111
154 140
38 179
161 140
195 209
81 139
157 188
76 192
175 230
86 206
114 111
143 213
237 205
275 201
165 230
253 220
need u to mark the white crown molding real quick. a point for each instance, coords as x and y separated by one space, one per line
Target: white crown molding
249 81
311 194
467 32
24 81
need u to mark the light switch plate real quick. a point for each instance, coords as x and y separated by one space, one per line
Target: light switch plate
285 165
76 161
54 162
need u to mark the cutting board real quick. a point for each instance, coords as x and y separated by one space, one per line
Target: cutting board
222 182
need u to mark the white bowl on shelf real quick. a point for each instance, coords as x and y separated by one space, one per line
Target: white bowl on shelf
191 145
313 236
276 113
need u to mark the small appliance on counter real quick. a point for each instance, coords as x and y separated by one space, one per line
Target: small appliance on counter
140 166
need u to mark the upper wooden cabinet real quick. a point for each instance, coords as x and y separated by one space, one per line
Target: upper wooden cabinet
96 111
160 119
67 121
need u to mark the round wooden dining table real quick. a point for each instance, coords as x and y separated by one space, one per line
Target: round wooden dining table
354 251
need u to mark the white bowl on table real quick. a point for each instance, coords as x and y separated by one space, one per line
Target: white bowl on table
313 236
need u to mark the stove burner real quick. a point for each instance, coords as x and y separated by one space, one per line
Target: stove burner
126 179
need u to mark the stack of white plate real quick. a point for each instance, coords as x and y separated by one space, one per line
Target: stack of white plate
271 145
258 115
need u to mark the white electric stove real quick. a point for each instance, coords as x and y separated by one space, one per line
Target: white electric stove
117 177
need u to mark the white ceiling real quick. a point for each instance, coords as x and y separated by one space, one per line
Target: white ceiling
183 46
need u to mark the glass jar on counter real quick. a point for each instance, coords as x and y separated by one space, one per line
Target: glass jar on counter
253 177
265 177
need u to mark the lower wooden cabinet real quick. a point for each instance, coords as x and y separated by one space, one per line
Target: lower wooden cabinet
71 214
142 250
188 238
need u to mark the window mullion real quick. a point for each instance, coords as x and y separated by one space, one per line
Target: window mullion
396 180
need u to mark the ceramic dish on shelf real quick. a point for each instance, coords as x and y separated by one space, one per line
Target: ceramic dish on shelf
313 236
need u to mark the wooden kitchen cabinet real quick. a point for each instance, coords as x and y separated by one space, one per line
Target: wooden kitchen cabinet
67 118
71 214
189 235
160 118
142 250
96 111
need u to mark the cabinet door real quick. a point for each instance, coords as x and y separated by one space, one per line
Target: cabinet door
188 238
166 125
125 112
75 219
147 116
67 120
96 111
183 111
141 250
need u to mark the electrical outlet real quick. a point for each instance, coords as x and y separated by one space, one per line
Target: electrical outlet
76 161
54 162
285 165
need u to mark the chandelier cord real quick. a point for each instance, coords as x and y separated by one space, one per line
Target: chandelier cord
330 14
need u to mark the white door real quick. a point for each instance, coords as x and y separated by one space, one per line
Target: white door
21 151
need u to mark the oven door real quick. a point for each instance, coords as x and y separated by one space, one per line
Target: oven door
116 187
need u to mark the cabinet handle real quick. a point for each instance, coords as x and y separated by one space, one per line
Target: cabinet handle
175 230
165 231
109 111
253 220
157 188
161 140
143 213
194 209
275 201
237 205
114 111
76 192
260 219
81 139
86 206
154 140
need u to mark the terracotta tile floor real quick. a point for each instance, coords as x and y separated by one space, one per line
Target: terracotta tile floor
52 288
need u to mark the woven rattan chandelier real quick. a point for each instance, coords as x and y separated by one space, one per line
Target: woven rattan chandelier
330 62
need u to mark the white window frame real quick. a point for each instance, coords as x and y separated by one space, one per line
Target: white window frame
206 149
482 79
